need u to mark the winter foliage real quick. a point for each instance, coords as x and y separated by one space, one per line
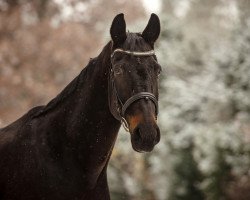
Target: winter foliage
204 49
204 108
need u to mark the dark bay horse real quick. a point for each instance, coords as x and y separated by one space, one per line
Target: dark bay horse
61 150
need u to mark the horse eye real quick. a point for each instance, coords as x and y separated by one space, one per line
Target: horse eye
117 70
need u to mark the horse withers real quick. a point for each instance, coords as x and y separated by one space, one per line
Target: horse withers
61 150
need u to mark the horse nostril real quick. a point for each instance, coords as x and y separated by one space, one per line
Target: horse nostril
137 134
144 137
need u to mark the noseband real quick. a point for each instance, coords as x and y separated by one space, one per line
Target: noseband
141 95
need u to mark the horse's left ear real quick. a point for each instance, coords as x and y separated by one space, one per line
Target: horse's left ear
118 30
152 30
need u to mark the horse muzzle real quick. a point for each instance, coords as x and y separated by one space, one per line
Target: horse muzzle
145 136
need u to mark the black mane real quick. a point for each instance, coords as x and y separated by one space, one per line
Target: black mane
74 84
66 92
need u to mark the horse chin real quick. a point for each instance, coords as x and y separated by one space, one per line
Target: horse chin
144 137
140 147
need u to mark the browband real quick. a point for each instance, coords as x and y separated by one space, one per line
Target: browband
134 53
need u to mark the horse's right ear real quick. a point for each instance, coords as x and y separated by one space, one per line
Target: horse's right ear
118 30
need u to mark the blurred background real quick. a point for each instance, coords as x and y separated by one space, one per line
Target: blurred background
204 49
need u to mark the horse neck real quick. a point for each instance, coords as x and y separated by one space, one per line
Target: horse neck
92 99
85 120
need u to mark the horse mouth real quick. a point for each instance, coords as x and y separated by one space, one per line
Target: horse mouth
144 137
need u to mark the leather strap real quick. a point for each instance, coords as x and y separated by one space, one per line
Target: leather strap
141 95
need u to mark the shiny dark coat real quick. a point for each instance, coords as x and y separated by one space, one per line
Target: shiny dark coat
61 150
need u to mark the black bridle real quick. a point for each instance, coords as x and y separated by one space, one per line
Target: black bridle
141 95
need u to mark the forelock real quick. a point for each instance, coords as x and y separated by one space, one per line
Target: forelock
135 42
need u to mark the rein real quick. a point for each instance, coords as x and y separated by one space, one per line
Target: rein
141 95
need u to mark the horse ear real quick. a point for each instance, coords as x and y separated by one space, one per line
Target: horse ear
152 30
118 30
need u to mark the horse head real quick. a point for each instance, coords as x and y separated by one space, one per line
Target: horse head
133 84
